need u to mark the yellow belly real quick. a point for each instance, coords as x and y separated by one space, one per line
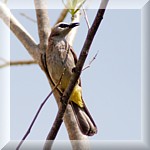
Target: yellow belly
76 96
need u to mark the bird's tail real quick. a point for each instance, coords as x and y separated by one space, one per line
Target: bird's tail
84 119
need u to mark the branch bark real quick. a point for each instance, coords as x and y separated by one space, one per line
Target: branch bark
75 76
43 23
62 16
20 32
17 63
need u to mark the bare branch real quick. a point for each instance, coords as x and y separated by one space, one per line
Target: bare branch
19 31
36 115
62 16
86 18
23 62
29 18
43 23
90 62
17 63
75 76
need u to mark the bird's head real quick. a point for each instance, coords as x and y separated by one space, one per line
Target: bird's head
62 29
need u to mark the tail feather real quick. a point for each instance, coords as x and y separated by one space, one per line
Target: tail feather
84 119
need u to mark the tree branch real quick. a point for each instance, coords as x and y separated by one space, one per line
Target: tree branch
17 63
86 67
75 76
86 18
37 113
19 31
28 17
43 23
62 16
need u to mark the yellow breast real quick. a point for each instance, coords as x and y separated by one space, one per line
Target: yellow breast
76 96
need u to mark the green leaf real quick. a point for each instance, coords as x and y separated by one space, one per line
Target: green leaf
73 5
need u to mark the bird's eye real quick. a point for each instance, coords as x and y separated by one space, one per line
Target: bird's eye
63 25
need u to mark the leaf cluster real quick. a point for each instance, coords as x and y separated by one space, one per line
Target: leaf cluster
73 6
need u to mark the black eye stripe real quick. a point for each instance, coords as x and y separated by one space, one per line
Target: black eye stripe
63 25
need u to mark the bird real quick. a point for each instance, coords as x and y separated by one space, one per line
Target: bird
61 59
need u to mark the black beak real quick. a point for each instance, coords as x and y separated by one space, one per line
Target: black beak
72 25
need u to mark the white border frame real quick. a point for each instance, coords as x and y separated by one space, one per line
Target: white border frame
142 144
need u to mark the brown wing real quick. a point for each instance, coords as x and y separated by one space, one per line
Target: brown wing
75 60
74 54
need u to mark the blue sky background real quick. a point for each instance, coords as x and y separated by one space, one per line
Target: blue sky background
111 86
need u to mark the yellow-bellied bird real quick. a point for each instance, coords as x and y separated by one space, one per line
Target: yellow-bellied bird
60 55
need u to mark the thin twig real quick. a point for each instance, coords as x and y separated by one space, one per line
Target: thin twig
36 115
62 16
16 63
90 62
86 18
28 17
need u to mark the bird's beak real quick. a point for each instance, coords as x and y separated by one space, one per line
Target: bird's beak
72 25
